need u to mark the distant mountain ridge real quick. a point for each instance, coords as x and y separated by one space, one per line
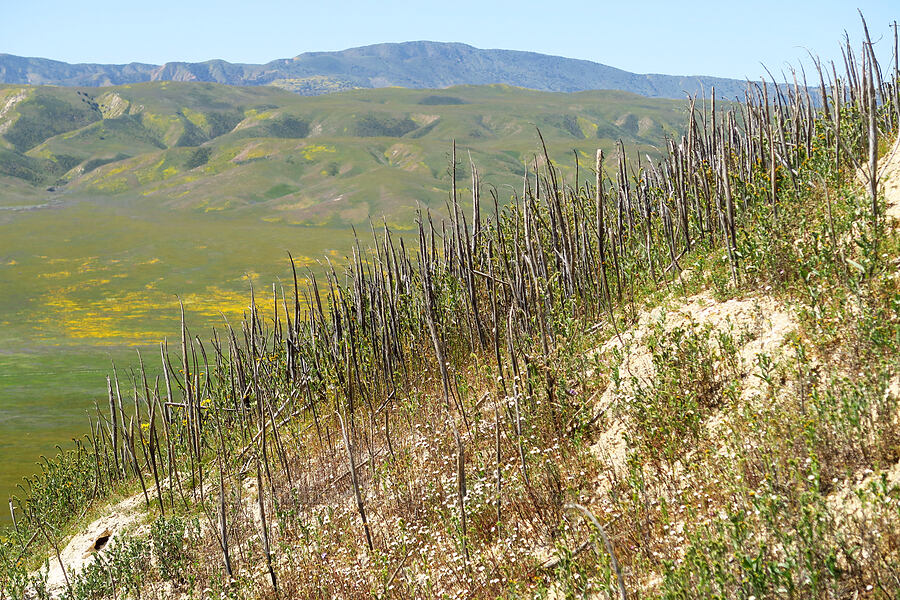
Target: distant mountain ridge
419 64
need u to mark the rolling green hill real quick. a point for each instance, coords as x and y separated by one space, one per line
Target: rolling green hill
332 159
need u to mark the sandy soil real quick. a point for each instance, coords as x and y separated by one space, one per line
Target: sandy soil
81 550
762 322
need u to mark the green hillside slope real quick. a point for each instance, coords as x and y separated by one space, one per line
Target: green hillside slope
676 385
309 160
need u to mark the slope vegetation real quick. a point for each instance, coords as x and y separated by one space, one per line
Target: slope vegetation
677 380
335 159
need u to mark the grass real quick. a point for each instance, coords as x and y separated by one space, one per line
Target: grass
667 421
430 429
79 293
218 145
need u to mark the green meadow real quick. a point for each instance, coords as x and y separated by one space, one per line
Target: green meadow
88 285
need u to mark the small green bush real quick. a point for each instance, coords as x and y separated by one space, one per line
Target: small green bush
167 536
119 573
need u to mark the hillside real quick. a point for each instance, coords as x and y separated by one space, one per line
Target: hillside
335 159
410 64
675 382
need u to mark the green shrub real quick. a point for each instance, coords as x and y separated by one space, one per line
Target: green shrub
167 536
691 367
118 573
198 158
375 125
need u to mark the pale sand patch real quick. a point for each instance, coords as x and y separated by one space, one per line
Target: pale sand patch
758 325
7 107
112 105
888 180
242 156
121 518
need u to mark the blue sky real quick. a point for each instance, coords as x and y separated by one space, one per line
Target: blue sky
725 38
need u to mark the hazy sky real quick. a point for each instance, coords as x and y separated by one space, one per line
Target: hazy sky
726 38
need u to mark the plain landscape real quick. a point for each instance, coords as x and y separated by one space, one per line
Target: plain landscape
463 341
